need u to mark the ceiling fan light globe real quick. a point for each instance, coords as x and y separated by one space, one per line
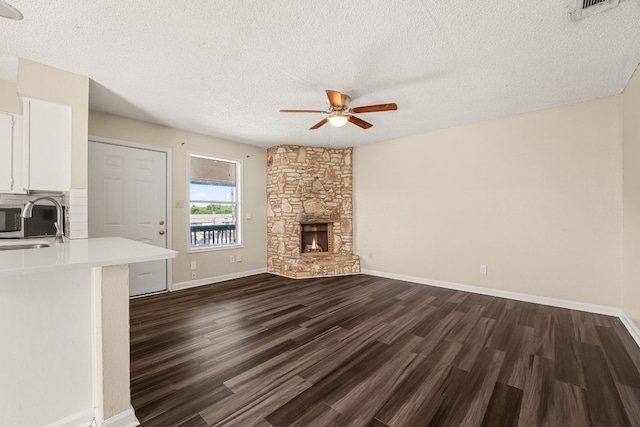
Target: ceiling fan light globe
338 120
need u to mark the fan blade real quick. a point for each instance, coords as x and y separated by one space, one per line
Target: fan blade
359 122
302 111
334 98
373 108
320 123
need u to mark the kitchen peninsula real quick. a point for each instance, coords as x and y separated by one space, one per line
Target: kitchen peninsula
64 326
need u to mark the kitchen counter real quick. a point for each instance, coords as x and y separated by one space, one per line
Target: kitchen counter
77 254
64 323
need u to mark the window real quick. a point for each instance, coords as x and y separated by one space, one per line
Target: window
214 203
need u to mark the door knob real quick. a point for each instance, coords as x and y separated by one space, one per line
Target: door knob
161 232
161 222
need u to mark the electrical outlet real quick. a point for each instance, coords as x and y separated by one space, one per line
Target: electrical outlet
194 265
483 268
239 258
193 274
232 259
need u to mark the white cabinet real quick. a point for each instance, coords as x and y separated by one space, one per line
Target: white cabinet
12 156
35 148
47 134
6 152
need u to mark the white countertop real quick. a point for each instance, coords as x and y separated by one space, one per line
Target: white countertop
76 254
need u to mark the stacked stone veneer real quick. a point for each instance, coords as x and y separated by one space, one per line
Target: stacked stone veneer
309 184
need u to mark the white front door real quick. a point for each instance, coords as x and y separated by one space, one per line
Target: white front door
128 198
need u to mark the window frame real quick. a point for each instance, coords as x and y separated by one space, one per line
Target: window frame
238 204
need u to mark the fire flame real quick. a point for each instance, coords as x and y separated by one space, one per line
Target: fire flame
313 244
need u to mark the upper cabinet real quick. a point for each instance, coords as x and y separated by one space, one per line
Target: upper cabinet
12 154
6 148
35 148
47 135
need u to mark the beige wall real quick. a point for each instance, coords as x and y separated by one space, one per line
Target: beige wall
51 84
9 100
113 284
631 189
212 263
537 197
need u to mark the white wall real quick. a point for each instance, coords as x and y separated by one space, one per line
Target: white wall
47 351
631 138
537 197
212 263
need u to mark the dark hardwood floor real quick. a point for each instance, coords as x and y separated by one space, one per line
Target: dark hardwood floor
367 351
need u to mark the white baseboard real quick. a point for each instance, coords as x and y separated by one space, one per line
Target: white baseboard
82 418
123 419
631 327
215 279
555 302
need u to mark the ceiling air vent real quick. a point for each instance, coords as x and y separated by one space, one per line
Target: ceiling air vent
584 8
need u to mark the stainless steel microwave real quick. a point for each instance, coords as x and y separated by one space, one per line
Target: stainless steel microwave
13 226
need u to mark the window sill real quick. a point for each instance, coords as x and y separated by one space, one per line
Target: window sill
197 249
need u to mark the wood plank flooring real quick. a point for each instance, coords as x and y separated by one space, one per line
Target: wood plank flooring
367 351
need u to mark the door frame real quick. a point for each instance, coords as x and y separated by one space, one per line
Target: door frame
169 218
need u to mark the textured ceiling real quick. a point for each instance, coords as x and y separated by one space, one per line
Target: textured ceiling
225 68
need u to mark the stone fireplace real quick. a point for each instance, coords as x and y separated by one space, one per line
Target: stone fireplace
310 212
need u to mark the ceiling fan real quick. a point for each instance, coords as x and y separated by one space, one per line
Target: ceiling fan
339 112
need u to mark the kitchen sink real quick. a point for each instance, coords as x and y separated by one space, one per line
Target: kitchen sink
23 245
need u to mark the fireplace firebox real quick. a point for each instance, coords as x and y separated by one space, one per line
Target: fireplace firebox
316 238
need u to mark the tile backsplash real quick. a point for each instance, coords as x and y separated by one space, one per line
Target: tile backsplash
76 209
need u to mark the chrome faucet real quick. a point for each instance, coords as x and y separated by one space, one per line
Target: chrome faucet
27 212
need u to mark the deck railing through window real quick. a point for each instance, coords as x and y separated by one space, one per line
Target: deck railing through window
211 235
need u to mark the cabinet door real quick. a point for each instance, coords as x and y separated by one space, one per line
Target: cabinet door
12 157
6 152
20 157
48 135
